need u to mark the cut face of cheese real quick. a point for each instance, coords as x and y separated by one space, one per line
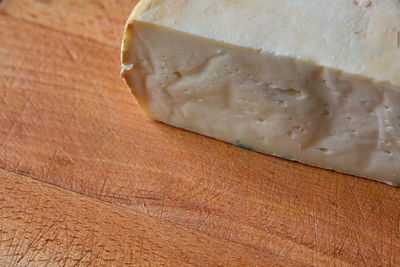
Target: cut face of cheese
315 81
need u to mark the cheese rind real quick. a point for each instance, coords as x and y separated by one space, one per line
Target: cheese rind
268 89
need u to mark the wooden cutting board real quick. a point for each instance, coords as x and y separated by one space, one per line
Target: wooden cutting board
87 179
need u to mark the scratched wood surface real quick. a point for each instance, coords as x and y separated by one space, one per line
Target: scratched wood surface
66 119
43 224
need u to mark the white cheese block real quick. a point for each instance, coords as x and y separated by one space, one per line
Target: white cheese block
316 81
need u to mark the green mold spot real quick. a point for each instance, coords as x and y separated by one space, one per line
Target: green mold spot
238 144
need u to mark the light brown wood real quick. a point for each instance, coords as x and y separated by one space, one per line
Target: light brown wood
66 118
99 20
41 224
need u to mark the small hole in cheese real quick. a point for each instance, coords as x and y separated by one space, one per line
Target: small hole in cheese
178 74
323 149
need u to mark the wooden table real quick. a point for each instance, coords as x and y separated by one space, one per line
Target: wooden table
87 179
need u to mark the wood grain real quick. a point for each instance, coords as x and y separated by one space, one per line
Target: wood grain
67 119
99 20
41 224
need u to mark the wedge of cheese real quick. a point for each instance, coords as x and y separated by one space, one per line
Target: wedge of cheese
315 81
